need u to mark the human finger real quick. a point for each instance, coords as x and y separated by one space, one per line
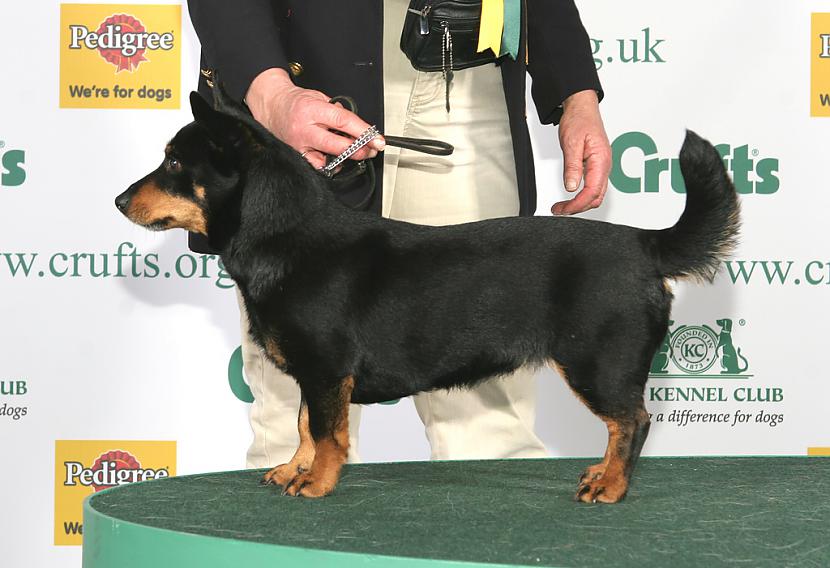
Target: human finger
315 158
573 155
335 117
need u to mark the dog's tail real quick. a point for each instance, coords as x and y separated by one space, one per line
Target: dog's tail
707 231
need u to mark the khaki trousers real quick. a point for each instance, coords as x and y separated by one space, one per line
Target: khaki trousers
495 419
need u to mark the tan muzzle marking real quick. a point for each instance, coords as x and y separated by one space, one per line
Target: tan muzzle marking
150 204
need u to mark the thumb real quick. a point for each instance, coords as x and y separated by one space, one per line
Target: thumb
573 166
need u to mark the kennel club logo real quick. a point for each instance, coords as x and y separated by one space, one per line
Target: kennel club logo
120 56
84 467
820 65
702 351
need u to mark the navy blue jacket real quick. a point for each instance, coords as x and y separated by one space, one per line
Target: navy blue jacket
338 46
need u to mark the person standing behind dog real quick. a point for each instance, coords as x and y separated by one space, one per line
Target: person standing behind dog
287 59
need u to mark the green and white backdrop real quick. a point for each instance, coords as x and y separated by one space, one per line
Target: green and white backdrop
112 333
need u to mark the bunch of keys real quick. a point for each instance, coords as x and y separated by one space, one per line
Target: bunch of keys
446 54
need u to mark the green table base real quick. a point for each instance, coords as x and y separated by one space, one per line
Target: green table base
679 512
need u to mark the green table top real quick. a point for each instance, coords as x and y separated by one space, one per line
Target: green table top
771 511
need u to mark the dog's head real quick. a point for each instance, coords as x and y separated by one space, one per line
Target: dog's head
200 174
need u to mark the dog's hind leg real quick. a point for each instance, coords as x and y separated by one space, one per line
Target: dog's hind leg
619 403
328 426
303 457
608 481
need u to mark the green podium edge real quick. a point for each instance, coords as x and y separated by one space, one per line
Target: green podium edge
109 541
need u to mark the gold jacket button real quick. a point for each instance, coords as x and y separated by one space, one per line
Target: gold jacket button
208 75
295 68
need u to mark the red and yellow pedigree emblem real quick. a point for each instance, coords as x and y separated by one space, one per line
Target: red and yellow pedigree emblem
120 56
110 39
83 467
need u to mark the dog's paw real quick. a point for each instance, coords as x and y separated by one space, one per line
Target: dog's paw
306 484
601 490
282 474
592 473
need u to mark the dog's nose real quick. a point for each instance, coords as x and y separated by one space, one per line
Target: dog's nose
122 200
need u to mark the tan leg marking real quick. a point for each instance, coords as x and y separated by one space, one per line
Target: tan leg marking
595 471
331 451
607 482
303 457
272 349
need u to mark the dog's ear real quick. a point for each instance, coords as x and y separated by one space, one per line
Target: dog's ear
202 112
221 100
226 131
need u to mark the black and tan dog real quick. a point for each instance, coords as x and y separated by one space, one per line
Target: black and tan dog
357 308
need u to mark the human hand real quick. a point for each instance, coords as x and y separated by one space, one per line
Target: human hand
303 118
586 150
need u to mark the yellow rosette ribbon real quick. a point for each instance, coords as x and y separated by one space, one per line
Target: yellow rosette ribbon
500 27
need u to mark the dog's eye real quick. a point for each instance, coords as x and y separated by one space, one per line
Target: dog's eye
174 164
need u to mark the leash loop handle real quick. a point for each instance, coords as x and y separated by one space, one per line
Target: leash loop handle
424 145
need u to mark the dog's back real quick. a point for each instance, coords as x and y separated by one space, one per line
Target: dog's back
482 299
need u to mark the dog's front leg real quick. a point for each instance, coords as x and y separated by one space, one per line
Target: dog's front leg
303 457
328 428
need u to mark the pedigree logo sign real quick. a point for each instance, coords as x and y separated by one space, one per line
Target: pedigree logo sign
120 56
83 467
820 65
